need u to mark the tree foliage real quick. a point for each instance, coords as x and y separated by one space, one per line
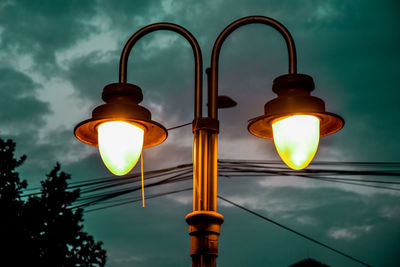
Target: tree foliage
42 230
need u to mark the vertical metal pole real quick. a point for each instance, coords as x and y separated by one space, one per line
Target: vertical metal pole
204 222
212 171
205 170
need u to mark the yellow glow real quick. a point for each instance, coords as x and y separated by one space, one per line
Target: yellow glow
120 145
296 139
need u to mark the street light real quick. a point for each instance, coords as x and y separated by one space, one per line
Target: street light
293 111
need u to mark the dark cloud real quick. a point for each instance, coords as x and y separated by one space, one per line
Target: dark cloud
44 27
22 113
20 106
88 76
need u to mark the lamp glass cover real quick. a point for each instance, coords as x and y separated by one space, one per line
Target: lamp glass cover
120 145
296 139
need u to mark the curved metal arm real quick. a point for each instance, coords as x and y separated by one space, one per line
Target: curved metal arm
213 94
198 94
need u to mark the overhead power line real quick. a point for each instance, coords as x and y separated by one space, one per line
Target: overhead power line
137 199
316 163
106 192
291 230
98 190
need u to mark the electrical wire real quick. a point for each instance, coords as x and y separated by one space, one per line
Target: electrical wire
91 200
103 183
100 190
137 199
109 190
343 181
341 163
293 231
179 126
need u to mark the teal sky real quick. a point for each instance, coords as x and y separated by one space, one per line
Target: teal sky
56 56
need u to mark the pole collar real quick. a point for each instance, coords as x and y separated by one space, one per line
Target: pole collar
204 230
205 124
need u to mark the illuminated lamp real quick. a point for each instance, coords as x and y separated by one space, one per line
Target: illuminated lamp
120 128
295 120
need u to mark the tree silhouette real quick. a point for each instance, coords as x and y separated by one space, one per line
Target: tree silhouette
42 230
11 205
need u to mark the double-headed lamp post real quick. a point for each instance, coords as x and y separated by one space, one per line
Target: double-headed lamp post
121 127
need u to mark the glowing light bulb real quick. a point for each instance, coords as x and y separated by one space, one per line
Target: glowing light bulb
120 145
296 139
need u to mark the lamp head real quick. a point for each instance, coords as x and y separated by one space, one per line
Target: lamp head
122 105
295 101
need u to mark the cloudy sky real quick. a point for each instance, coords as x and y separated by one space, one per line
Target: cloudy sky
56 56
